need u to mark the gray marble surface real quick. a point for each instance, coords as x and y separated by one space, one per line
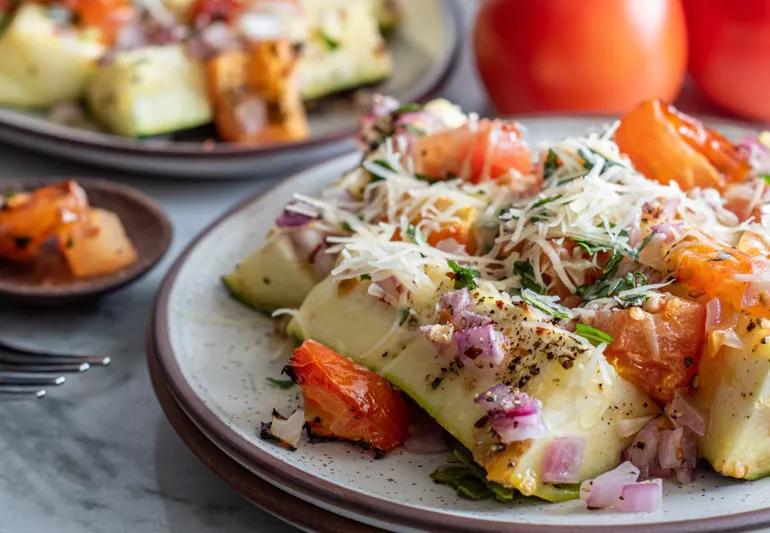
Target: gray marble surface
98 455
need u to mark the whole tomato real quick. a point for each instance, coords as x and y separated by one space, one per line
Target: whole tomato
730 53
587 55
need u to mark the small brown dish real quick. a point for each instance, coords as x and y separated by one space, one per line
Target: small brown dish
47 280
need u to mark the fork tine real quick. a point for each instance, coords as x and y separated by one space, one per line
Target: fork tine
46 369
57 359
13 392
37 380
25 354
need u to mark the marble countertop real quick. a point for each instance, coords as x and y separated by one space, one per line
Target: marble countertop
98 455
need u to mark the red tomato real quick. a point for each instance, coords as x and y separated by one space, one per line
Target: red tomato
346 401
206 11
587 55
730 53
106 15
679 330
467 153
667 145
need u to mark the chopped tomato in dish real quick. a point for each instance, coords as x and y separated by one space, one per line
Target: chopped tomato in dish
346 401
488 150
659 351
28 220
666 145
711 271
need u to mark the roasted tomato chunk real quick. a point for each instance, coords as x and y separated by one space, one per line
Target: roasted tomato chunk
658 351
28 220
346 401
488 150
666 145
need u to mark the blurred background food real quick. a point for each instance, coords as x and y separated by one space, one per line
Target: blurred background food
157 66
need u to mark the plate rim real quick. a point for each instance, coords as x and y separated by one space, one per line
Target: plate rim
361 505
107 143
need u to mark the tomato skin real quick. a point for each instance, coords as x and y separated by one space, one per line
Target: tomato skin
347 401
680 330
730 53
666 145
106 15
466 152
590 55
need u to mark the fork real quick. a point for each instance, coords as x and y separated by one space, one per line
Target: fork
25 372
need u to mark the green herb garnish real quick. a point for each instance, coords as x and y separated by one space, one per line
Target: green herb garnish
593 335
281 383
383 164
766 177
330 42
409 107
551 164
465 277
415 235
468 479
550 308
526 275
363 277
405 314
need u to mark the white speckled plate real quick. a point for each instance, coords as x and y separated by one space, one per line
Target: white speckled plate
218 354
424 50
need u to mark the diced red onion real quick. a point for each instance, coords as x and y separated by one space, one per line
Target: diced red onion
306 241
323 262
683 413
669 207
641 497
292 219
515 415
643 452
713 314
514 429
501 399
563 459
605 490
671 452
388 290
458 303
482 345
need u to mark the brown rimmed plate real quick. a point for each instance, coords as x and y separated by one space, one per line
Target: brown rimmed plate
424 50
48 280
217 356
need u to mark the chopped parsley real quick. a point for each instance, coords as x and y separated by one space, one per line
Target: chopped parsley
544 201
330 42
526 275
383 164
363 277
593 335
404 315
546 306
409 107
766 177
468 479
551 164
281 383
415 235
465 277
